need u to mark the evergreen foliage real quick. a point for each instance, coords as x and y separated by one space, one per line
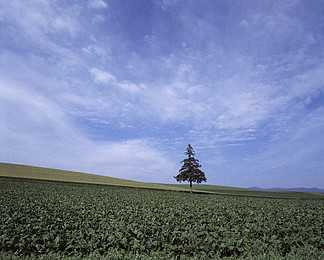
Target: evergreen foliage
190 169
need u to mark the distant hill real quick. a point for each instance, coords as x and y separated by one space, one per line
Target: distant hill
312 190
234 191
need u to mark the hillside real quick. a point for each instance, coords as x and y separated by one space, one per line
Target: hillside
47 174
40 173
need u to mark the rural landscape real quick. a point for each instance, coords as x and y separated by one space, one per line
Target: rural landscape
161 129
55 214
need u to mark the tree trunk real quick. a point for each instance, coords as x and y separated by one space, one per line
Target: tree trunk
190 186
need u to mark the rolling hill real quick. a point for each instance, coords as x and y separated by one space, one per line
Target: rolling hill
40 173
19 171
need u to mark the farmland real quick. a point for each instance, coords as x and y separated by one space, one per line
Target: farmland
55 220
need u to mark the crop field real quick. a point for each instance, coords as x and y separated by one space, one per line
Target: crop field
53 220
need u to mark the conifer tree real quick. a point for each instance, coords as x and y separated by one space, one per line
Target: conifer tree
190 169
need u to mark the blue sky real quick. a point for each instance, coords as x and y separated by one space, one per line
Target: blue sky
120 88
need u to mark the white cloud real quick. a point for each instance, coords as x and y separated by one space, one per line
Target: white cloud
102 76
308 83
133 159
31 116
36 131
29 18
107 78
64 23
232 107
220 90
95 49
165 4
298 150
40 20
97 4
130 87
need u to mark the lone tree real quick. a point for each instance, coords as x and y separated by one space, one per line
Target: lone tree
190 169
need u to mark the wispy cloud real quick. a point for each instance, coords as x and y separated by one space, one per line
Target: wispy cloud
243 84
102 76
97 4
37 131
107 78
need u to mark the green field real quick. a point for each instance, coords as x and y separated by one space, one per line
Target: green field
50 220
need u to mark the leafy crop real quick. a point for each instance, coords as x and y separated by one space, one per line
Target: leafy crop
46 219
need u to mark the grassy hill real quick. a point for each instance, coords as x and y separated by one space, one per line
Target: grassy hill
47 174
40 173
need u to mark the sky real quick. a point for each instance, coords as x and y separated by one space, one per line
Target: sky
120 88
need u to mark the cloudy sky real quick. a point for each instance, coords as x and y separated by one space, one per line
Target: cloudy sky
120 88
